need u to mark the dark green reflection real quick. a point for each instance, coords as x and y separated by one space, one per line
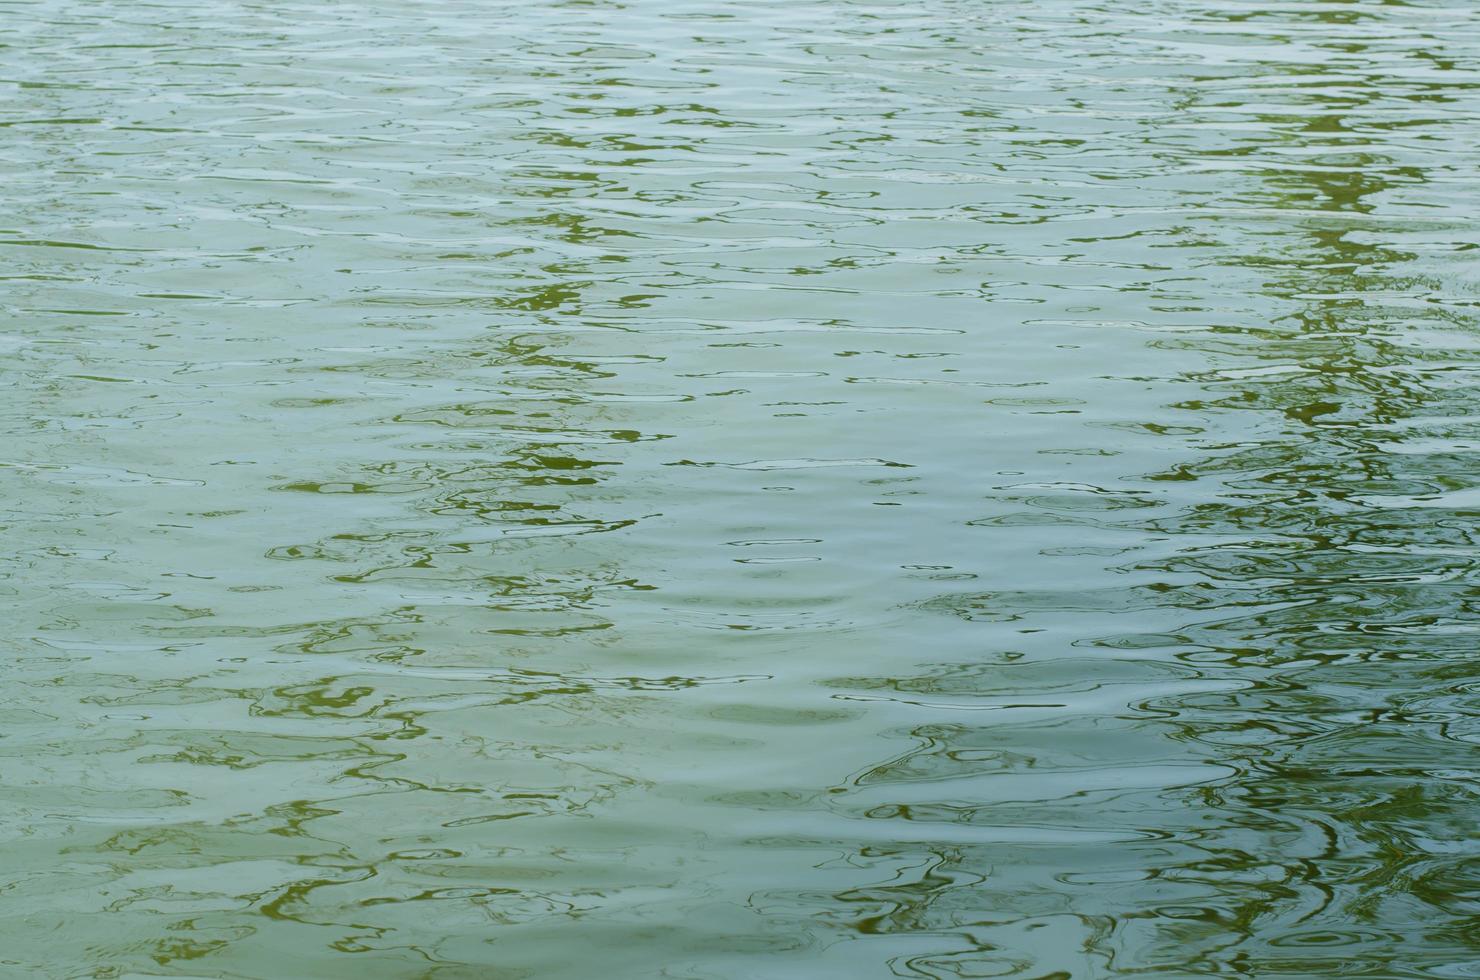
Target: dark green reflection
718 490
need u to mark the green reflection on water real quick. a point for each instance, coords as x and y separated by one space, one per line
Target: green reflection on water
729 490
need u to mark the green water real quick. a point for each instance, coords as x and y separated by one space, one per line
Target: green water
705 489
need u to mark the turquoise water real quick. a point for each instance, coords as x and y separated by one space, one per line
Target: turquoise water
701 489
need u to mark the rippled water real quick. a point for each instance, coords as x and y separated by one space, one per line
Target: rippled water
705 489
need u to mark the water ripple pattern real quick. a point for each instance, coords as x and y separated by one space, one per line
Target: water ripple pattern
710 489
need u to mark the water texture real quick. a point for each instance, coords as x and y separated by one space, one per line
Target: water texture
707 489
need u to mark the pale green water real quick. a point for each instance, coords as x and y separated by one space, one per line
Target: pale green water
698 489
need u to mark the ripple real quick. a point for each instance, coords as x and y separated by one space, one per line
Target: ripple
716 490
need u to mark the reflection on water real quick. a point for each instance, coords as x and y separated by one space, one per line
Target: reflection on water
740 490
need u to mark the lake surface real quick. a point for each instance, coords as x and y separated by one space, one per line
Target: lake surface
702 489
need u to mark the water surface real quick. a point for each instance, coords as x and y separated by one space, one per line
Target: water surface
713 489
